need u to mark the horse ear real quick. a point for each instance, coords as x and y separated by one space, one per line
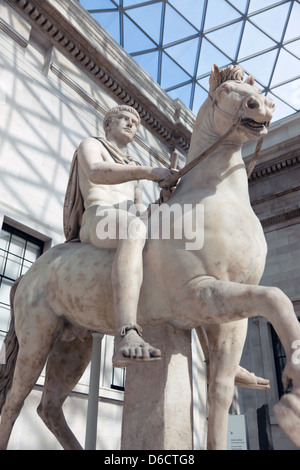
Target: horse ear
250 80
215 78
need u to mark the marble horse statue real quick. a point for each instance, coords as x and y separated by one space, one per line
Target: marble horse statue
215 286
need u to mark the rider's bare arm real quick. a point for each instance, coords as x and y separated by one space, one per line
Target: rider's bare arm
92 158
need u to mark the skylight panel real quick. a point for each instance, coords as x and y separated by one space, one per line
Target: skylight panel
290 93
272 21
149 62
172 74
110 21
127 3
148 17
191 9
134 38
281 109
210 55
293 29
254 41
259 4
184 54
239 4
176 27
261 66
199 97
227 39
287 68
183 93
97 4
294 48
218 13
204 82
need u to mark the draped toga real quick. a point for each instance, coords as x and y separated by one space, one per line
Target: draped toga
74 204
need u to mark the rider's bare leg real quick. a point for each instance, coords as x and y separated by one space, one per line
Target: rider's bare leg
127 274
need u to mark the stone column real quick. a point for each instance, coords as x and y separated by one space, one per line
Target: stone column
93 401
158 401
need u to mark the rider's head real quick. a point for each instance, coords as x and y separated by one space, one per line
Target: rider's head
114 112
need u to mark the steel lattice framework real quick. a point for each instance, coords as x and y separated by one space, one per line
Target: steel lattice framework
177 41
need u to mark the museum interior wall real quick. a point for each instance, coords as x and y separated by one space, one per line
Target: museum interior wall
59 73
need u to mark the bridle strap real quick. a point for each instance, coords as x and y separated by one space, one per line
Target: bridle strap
259 143
215 104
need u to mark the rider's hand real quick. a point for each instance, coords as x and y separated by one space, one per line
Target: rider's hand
160 174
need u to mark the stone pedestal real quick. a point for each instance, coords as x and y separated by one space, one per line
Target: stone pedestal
158 396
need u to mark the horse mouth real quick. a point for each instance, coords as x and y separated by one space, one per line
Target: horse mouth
254 125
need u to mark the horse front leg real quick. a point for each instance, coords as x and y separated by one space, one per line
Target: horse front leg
223 301
243 377
226 342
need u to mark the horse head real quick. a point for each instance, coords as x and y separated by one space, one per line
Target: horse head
233 100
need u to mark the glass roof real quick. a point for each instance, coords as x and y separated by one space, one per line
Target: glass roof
177 41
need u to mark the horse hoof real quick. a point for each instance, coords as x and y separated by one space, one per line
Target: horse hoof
287 413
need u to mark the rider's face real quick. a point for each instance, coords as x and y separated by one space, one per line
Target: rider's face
124 127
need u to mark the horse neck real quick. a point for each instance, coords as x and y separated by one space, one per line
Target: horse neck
223 168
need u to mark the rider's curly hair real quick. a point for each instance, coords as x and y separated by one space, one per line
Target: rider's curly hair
112 114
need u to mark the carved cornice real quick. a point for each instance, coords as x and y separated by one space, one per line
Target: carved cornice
76 45
280 218
272 168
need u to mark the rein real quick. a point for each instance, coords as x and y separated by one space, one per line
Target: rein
255 157
170 182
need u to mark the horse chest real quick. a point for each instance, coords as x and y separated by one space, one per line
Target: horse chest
234 243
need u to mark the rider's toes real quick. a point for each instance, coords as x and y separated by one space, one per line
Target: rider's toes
139 353
155 352
145 353
132 352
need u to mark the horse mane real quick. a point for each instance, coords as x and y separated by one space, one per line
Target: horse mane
229 73
232 72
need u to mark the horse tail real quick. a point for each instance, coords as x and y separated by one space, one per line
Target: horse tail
9 351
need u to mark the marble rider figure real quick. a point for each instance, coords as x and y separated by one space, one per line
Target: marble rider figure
105 182
109 183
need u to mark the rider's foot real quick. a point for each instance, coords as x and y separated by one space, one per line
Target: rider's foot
247 379
130 347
